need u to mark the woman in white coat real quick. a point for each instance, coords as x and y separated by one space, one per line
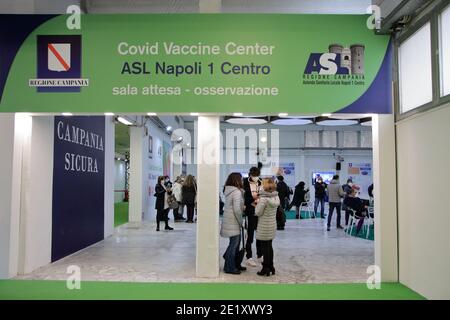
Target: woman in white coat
232 221
266 211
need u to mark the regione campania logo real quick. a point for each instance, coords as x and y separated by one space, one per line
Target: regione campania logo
58 64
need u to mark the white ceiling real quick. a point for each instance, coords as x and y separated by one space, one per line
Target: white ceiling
189 6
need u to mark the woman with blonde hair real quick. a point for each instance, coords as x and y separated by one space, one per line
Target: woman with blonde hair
266 211
189 193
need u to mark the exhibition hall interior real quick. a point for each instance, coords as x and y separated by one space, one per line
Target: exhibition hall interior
288 148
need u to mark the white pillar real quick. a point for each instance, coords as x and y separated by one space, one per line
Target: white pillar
385 194
208 165
11 141
138 174
109 175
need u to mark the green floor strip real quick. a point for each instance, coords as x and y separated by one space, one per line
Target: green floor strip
94 290
120 213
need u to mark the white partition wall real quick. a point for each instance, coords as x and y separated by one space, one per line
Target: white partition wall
424 216
138 174
208 158
109 175
385 195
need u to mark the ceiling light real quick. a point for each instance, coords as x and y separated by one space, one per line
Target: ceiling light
349 116
151 114
238 114
246 120
168 128
109 114
264 139
67 114
124 121
194 114
291 121
282 114
336 122
366 122
326 115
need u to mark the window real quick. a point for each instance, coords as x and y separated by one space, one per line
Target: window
350 139
312 139
366 139
415 71
444 44
329 139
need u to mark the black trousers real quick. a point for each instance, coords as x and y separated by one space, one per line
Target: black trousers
337 206
190 212
252 224
267 252
162 215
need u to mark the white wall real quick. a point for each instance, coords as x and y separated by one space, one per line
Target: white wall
119 180
109 178
11 141
36 196
423 159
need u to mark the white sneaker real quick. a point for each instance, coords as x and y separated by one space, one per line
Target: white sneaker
251 263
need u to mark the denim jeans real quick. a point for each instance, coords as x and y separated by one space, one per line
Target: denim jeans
337 206
230 254
322 206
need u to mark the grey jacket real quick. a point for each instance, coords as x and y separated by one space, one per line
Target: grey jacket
335 192
266 211
232 212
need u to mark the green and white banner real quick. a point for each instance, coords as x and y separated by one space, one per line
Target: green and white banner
178 63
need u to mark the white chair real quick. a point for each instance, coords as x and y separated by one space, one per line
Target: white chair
309 209
369 221
353 221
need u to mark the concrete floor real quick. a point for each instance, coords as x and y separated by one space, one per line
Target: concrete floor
304 253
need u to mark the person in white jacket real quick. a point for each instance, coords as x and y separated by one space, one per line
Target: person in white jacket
232 222
176 191
266 211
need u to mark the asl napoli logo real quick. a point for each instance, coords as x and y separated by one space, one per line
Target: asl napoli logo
59 64
340 66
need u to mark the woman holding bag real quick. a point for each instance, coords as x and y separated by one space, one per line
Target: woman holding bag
232 222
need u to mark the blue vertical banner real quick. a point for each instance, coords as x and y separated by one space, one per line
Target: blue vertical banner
78 184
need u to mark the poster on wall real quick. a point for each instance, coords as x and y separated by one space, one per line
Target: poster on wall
361 175
196 63
287 170
150 147
78 184
166 158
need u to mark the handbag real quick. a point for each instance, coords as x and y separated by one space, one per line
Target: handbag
172 202
241 252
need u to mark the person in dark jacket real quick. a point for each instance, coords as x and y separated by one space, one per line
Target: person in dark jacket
347 190
283 194
299 198
161 206
252 186
320 193
358 206
189 193
370 190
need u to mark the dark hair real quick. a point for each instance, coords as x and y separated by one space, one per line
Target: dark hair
301 185
260 165
234 180
336 177
160 178
349 180
254 172
280 178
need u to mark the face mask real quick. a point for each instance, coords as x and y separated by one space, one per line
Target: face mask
255 179
350 184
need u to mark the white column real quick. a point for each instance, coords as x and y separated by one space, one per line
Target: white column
385 194
138 174
208 165
109 175
11 141
36 194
